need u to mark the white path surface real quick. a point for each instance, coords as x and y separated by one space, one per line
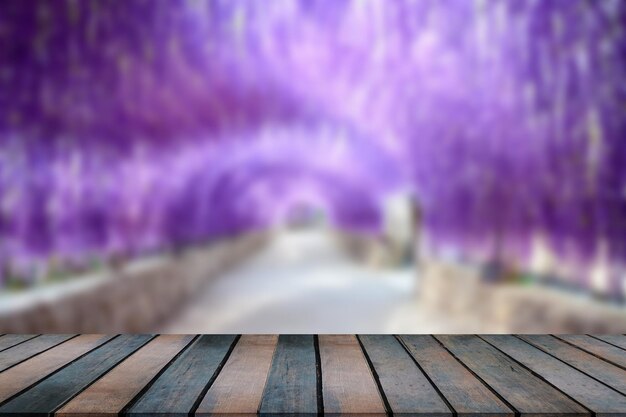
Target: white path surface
303 283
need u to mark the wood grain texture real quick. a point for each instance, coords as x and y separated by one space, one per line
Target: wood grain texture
527 393
291 386
587 391
591 365
348 385
597 347
54 391
17 354
465 393
239 386
614 339
118 387
177 389
405 386
27 373
9 340
96 375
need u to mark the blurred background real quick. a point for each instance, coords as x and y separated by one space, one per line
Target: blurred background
443 166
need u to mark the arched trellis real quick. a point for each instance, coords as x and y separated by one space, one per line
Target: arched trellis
513 105
208 203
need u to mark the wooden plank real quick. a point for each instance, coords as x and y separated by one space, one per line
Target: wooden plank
465 393
25 374
591 365
405 386
116 389
614 339
10 340
527 393
17 354
348 385
239 386
54 391
291 386
597 347
587 391
177 389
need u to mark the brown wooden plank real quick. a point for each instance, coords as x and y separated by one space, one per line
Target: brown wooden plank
239 386
587 391
10 340
465 393
527 393
119 386
614 339
177 389
405 386
17 354
348 385
597 347
291 386
21 376
591 365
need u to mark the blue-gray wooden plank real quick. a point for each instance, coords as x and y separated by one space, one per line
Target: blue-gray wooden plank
182 385
291 386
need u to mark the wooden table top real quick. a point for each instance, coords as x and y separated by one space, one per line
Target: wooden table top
311 374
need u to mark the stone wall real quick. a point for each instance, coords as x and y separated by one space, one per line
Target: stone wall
460 294
133 299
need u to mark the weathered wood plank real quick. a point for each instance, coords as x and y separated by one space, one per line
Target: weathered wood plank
99 375
10 340
54 391
465 393
117 388
405 386
597 347
25 374
527 393
176 390
597 368
17 354
291 387
587 391
614 339
239 386
348 385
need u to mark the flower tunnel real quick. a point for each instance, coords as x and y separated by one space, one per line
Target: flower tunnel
134 126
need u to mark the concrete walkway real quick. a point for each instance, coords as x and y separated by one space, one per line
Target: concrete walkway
302 282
